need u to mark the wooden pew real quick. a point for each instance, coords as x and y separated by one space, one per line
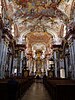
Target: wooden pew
3 91
60 89
24 84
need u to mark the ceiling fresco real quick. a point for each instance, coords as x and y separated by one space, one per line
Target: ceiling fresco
27 13
41 21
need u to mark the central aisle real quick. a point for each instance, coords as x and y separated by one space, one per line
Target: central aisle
36 92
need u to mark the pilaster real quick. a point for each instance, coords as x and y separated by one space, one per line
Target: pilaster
58 59
20 56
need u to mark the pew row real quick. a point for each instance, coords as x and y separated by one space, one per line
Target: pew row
60 89
23 85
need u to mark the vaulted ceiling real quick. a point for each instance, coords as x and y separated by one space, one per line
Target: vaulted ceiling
40 21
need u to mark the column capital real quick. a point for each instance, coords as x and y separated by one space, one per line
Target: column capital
20 47
57 47
1 23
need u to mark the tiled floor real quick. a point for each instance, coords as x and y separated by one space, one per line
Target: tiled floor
36 92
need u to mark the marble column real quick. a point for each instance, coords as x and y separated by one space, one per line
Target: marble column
29 66
45 66
0 8
10 62
55 60
71 61
74 56
34 66
47 62
3 57
30 69
15 61
62 68
18 62
1 50
21 59
67 65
